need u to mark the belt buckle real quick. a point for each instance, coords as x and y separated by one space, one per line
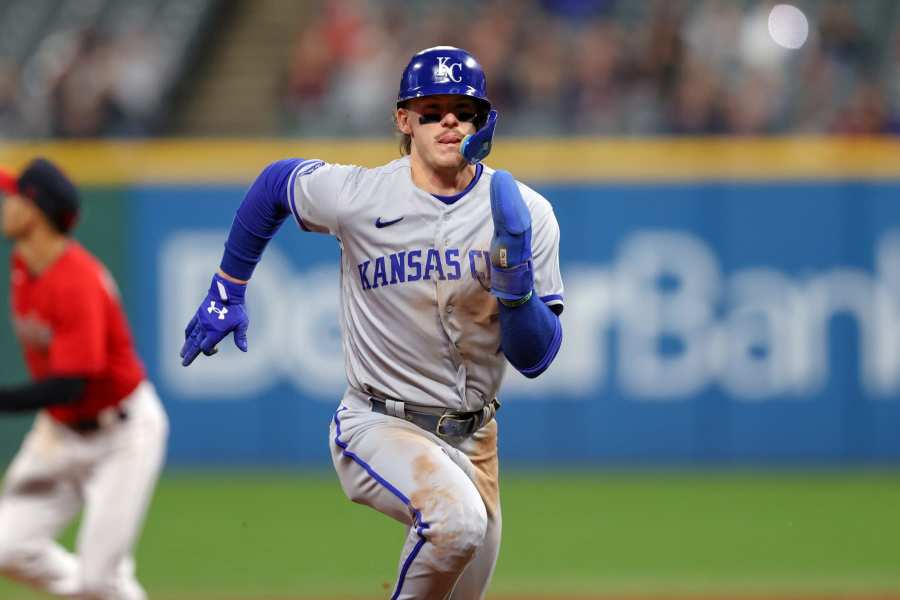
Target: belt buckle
445 418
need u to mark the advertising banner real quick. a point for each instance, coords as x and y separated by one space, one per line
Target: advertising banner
735 323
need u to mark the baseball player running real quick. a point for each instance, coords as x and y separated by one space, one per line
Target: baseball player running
99 438
449 269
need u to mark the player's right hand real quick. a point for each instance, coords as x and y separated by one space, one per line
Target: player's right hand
219 314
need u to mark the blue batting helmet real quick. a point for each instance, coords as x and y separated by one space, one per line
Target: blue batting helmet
443 70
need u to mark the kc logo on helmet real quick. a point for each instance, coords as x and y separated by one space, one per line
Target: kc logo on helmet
445 71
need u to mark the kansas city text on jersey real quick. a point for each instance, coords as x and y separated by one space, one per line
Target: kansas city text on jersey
422 264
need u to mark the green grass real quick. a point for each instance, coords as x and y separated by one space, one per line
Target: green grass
294 534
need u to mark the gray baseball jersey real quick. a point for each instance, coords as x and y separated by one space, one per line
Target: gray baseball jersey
418 320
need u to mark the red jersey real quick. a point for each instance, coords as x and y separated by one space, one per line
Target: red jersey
70 322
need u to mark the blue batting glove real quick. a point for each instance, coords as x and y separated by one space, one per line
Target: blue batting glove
512 279
220 313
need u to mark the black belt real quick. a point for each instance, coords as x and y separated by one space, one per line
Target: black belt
445 424
95 424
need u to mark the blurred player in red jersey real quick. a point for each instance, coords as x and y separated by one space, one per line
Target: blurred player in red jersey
99 440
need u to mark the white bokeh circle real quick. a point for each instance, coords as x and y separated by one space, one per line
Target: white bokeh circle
788 26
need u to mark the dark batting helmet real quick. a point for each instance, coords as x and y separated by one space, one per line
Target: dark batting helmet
443 70
452 70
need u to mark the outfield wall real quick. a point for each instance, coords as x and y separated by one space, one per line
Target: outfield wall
726 303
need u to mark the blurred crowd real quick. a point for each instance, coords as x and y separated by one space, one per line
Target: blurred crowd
84 83
608 67
554 67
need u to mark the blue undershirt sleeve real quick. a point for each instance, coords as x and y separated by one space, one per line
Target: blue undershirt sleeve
263 210
531 335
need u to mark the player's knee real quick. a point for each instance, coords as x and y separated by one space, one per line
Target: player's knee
459 535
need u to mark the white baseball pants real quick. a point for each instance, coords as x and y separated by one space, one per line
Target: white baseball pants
111 474
446 492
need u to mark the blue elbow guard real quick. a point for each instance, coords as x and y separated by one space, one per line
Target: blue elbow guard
512 279
531 336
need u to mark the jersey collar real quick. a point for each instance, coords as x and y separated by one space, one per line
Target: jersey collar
451 199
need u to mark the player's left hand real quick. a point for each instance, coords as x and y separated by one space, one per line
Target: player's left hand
512 279
219 314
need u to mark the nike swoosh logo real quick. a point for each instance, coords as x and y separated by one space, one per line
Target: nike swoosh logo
379 223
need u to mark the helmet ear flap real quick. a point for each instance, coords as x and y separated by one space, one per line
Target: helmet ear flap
477 146
484 109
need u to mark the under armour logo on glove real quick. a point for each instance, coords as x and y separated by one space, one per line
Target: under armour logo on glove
221 312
